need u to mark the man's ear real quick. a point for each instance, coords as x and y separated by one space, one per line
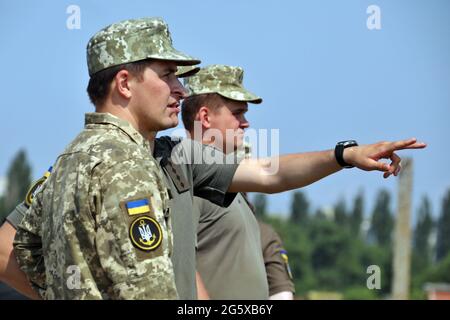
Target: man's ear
203 115
121 83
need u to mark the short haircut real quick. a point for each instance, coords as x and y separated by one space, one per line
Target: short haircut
99 83
191 105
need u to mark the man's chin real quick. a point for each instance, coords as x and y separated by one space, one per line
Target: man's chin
168 125
173 122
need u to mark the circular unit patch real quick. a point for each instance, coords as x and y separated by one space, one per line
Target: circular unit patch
145 233
33 190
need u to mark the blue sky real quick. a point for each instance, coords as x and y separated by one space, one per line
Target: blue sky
323 75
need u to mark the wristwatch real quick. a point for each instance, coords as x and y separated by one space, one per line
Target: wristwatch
339 152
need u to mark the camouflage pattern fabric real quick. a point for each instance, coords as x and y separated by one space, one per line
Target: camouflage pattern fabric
187 71
89 249
133 40
221 79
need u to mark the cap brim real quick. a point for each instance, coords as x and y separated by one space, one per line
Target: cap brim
187 71
241 94
176 56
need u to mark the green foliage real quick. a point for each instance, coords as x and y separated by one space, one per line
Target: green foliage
18 182
357 214
382 223
439 272
443 229
260 205
360 293
422 249
330 255
340 213
299 208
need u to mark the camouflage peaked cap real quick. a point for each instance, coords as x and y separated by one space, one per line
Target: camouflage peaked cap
133 40
221 79
187 71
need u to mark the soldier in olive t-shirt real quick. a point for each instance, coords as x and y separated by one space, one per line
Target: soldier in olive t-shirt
229 255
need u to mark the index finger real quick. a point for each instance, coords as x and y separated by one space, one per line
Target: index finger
408 144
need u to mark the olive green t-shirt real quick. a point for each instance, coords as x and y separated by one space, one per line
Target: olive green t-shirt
229 255
188 174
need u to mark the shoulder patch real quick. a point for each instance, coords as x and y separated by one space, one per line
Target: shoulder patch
146 233
285 258
139 206
35 187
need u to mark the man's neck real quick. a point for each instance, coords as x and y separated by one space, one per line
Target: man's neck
123 113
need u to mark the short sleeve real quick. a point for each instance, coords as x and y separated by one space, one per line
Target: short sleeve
212 170
28 242
278 271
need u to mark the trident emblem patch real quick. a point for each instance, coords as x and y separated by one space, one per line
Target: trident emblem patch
145 233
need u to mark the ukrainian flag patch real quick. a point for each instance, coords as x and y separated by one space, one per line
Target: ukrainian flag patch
137 207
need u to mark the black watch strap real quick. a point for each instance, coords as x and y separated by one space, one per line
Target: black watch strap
339 152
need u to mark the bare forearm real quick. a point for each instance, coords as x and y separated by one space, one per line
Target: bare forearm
300 170
202 293
10 272
291 172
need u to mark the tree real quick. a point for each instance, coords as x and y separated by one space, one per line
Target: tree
17 184
340 213
299 208
422 232
357 214
382 222
443 230
260 205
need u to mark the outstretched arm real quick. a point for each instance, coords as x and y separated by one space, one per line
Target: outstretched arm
298 170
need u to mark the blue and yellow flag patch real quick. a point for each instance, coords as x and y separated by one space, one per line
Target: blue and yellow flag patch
285 258
137 206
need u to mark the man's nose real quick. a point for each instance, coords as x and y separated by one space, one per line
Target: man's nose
178 89
244 123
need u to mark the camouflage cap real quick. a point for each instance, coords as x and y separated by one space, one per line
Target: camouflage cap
221 79
133 40
187 71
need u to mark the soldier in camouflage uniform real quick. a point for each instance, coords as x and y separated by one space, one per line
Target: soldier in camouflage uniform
103 214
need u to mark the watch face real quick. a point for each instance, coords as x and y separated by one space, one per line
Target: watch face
349 143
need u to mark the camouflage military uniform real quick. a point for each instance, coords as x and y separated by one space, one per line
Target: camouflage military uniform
100 225
185 178
87 226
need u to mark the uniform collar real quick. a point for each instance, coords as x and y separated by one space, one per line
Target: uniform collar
93 118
